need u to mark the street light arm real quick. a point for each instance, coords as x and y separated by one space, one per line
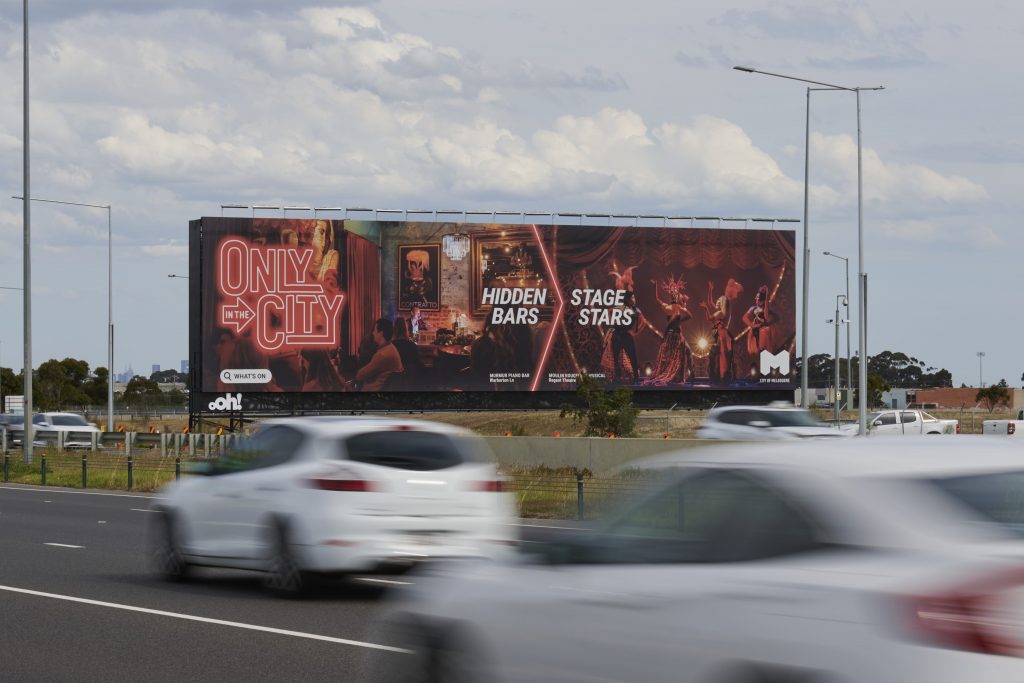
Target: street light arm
830 86
55 201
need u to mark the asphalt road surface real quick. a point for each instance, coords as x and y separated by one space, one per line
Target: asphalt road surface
78 603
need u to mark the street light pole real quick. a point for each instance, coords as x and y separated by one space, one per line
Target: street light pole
862 283
849 360
26 435
110 292
981 369
835 359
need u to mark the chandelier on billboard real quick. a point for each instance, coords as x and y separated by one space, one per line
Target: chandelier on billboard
455 245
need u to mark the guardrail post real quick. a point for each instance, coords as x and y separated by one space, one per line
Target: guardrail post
206 445
129 437
3 441
85 467
129 473
579 496
7 476
60 442
94 441
163 445
42 465
177 469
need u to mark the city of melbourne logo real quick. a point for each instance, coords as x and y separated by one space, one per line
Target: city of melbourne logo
775 361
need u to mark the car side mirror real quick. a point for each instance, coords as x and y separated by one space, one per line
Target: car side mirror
761 424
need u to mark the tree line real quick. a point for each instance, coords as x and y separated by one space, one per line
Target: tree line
70 383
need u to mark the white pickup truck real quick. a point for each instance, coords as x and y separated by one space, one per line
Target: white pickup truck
1004 427
889 422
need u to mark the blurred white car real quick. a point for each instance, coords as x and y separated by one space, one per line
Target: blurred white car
871 561
76 429
767 423
336 495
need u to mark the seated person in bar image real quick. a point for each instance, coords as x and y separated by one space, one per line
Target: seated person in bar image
385 361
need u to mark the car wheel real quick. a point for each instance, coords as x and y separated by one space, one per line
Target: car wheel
167 557
284 575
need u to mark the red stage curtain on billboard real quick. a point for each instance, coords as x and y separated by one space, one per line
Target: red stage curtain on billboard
362 268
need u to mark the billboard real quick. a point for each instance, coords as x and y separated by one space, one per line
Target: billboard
367 306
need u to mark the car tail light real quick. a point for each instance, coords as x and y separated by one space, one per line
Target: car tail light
958 426
985 617
494 486
332 484
1010 428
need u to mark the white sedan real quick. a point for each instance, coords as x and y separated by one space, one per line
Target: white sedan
767 423
307 496
863 561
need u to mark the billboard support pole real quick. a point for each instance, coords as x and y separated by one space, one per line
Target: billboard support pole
807 256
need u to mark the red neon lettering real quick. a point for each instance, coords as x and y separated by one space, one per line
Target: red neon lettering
231 267
268 337
270 289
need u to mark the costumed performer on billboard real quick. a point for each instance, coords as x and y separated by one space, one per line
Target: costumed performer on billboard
760 318
673 364
719 313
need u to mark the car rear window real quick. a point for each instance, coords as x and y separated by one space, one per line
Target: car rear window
414 450
998 498
69 421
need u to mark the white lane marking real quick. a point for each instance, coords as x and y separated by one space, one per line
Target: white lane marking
207 620
387 581
64 545
548 526
141 510
80 493
102 522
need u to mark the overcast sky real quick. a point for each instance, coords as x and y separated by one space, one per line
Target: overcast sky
166 110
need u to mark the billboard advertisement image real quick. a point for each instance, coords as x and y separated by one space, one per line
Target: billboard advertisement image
370 306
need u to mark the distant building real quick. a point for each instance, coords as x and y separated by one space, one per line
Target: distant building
156 367
184 367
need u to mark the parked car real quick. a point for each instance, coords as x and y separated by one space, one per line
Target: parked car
76 429
909 422
306 496
763 423
1005 427
872 560
14 424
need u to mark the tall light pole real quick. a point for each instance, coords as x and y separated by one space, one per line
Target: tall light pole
837 321
849 360
981 369
110 297
862 275
26 435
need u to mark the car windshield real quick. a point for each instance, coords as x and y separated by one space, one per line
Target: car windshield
415 449
998 497
70 421
793 418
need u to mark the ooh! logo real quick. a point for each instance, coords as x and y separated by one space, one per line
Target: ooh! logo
227 402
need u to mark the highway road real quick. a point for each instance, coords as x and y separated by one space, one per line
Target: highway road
77 603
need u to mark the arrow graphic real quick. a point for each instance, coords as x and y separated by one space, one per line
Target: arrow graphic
238 316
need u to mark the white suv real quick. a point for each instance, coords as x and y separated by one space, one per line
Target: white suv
337 495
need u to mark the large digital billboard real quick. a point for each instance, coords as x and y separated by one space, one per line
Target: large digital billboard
371 306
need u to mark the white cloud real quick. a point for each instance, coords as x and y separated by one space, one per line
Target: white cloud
835 158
